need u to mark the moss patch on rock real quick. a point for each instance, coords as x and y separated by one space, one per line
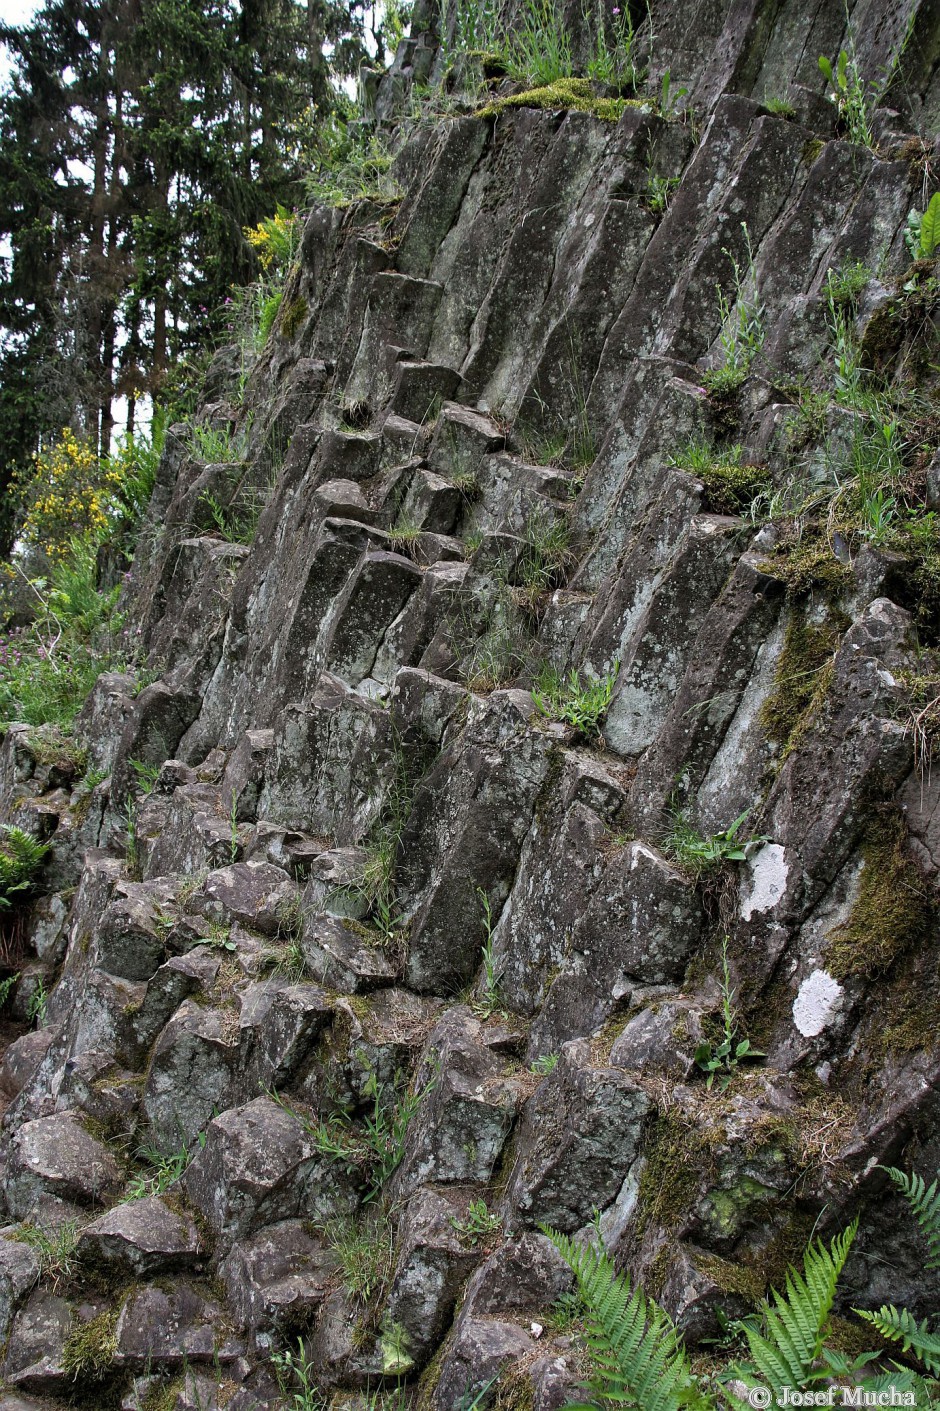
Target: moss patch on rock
88 1355
893 912
731 1278
574 94
293 316
801 679
680 1158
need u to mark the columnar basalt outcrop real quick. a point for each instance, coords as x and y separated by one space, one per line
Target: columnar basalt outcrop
387 942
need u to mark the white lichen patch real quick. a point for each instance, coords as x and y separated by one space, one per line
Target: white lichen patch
817 1003
768 880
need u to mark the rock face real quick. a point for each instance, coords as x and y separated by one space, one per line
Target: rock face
413 962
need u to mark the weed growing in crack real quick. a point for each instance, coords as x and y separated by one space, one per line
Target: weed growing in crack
659 191
374 887
56 1250
165 1170
732 485
720 1059
922 236
546 553
374 1146
579 701
488 1000
479 1225
699 853
145 775
365 1249
296 1378
36 1005
742 324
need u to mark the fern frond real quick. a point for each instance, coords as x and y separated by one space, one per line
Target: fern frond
924 1201
900 1325
636 1352
783 1353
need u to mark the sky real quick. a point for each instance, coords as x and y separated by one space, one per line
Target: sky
14 12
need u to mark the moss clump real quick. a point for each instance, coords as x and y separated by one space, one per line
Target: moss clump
807 563
679 1156
90 1347
893 911
800 679
293 316
732 488
731 1278
163 1397
515 1391
50 745
575 94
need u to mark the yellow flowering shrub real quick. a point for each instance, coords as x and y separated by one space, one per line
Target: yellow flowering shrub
70 494
274 239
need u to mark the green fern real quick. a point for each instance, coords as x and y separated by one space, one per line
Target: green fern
21 856
784 1354
924 1201
899 1325
635 1349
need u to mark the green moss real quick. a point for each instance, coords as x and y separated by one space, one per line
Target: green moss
732 488
728 1209
577 94
678 1156
808 563
50 745
90 1347
772 1260
731 1278
912 1003
893 911
801 677
514 1391
292 317
163 1397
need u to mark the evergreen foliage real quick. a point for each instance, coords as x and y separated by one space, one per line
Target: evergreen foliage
138 141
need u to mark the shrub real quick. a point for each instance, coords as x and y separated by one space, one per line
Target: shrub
70 494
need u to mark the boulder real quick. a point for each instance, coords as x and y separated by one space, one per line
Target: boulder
139 1239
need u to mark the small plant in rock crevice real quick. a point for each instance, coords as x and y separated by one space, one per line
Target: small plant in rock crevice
165 1170
145 775
700 853
36 1005
56 1248
375 1145
578 700
546 553
659 190
922 236
731 483
742 323
364 1247
488 1000
478 1226
721 1058
296 1378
